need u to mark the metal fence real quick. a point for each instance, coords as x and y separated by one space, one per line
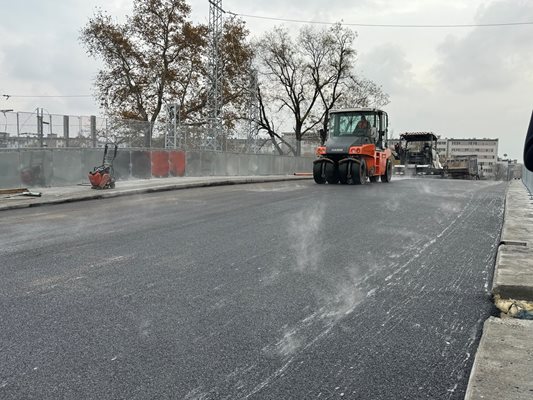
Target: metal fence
527 178
40 130
19 130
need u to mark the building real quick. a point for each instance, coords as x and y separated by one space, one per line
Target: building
442 148
310 141
486 151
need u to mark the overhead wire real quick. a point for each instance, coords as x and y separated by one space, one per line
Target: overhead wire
7 96
301 21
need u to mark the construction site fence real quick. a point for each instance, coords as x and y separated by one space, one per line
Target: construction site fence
69 166
20 130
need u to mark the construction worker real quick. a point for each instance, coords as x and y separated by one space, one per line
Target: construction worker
363 123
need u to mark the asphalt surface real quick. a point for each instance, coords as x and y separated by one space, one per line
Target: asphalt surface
285 290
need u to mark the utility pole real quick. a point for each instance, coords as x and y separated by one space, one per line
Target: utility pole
40 125
66 130
253 112
214 138
173 120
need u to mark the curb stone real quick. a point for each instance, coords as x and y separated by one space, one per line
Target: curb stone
153 189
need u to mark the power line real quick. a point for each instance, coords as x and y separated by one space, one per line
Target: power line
7 96
301 21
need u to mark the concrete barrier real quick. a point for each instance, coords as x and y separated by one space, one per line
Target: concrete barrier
219 164
122 165
513 276
503 365
36 167
246 167
141 164
90 158
10 167
60 167
194 164
66 168
304 164
232 163
264 164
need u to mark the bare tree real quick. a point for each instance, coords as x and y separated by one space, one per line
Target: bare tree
310 76
362 92
283 63
332 57
267 124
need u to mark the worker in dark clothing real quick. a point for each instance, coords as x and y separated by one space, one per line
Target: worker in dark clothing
363 123
528 148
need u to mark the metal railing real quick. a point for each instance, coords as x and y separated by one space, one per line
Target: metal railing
527 179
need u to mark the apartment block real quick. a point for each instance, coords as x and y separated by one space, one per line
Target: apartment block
486 151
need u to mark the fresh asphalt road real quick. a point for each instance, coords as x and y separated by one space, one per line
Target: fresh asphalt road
286 290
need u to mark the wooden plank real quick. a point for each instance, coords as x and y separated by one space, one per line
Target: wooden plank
13 191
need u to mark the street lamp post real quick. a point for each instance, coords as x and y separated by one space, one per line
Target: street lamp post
508 167
4 112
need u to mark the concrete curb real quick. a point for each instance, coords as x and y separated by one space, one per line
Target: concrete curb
503 366
108 194
513 275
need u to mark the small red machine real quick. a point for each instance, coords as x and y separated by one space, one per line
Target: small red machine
103 177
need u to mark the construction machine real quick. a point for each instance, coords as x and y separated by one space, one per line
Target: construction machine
462 167
103 176
355 149
418 154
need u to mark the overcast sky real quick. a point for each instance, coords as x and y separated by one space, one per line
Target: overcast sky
463 82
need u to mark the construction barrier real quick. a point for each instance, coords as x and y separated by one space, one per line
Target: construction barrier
35 167
141 164
176 160
9 165
160 164
122 165
66 167
70 166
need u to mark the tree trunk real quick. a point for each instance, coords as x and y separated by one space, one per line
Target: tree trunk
148 135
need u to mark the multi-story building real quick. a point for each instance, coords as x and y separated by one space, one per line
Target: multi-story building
442 147
486 151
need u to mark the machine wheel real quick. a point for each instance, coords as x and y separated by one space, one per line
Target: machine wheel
374 178
317 173
359 172
388 172
343 173
332 174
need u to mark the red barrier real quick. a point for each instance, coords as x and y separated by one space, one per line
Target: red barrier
160 164
177 163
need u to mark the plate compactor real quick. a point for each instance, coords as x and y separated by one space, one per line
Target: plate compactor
103 177
356 148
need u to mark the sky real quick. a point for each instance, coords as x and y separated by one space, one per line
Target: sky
456 82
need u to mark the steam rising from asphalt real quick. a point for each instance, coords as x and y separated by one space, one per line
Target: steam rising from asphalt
305 237
336 293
